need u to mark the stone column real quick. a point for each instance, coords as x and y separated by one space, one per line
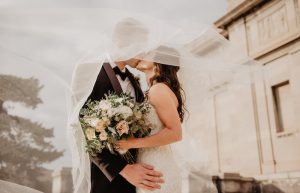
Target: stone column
62 180
2 110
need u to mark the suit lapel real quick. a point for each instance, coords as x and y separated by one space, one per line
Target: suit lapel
113 79
139 95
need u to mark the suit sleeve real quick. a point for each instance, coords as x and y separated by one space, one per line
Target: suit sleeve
110 164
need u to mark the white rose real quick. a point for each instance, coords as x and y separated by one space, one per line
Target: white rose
104 105
111 112
93 121
125 111
90 133
103 136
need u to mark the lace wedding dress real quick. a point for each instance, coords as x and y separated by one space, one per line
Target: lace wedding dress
162 159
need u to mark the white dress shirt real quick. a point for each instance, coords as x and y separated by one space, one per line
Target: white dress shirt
126 85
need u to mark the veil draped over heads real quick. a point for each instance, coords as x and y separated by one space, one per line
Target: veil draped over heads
82 39
207 68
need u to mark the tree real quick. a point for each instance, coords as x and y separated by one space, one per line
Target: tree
25 145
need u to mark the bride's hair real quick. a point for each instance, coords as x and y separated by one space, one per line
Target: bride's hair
167 74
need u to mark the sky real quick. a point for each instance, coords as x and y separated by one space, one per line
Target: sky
203 10
28 47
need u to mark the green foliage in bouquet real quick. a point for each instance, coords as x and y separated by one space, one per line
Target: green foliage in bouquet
111 119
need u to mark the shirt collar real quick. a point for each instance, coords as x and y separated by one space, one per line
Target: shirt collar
124 70
113 64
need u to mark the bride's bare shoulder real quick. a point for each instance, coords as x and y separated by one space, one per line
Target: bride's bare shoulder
159 89
159 93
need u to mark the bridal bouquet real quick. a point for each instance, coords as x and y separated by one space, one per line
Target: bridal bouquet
114 118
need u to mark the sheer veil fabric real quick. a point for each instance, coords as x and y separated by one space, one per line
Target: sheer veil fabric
8 187
83 39
207 68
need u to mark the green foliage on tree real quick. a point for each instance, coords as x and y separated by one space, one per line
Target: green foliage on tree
24 145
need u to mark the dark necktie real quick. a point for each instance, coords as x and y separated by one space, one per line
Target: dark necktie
123 75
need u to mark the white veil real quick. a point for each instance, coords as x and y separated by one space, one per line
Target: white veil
207 68
209 65
9 187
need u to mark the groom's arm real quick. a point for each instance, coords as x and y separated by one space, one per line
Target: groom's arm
111 165
136 174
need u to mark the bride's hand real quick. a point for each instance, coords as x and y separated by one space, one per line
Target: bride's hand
125 144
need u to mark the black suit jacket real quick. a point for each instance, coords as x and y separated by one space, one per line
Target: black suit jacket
105 168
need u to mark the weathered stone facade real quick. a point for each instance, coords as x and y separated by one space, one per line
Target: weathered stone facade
268 31
257 147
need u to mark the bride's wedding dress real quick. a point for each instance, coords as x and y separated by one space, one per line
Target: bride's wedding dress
162 159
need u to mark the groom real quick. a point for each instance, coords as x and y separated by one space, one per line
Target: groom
110 173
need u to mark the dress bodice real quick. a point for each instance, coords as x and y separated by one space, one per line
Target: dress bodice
154 120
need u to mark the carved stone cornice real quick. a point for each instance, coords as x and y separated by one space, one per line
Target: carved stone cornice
237 12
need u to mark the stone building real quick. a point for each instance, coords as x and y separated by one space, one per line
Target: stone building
265 133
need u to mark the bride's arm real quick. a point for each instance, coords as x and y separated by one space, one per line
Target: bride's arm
160 96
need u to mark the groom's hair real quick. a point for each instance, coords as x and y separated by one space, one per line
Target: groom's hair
129 31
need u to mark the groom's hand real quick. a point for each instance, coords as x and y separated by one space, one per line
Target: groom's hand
142 176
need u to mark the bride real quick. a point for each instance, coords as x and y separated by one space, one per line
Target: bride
165 96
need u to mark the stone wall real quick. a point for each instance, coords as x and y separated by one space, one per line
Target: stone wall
268 148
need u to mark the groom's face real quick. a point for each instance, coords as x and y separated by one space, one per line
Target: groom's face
132 62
